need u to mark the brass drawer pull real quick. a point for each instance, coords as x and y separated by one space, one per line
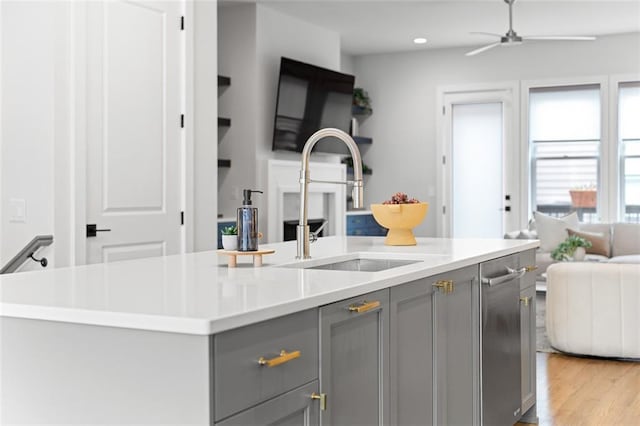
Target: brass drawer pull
323 399
525 300
280 359
363 307
445 285
530 268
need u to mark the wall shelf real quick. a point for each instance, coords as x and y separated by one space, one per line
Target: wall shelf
362 140
224 163
224 122
358 110
364 172
224 81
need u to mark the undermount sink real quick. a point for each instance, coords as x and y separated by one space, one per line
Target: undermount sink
362 264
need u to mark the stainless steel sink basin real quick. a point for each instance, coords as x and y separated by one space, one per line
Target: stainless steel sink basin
364 265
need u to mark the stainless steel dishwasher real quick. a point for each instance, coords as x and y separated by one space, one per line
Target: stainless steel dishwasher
501 353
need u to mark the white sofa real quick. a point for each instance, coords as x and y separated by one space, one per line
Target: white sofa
594 308
624 243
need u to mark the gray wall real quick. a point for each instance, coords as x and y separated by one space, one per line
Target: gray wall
403 91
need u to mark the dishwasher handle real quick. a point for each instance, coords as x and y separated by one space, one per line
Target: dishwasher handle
512 274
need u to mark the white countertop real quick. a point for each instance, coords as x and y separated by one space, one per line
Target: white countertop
197 294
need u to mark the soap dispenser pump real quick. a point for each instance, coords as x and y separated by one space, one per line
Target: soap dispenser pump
247 221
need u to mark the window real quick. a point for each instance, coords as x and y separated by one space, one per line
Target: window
564 138
629 149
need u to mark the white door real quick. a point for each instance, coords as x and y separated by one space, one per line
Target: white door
133 105
480 165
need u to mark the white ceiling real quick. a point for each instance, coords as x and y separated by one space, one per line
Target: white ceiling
369 27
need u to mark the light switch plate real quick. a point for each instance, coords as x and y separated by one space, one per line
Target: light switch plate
17 210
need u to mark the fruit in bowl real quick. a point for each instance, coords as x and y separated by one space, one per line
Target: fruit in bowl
400 215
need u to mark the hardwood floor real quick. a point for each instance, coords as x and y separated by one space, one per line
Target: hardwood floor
587 391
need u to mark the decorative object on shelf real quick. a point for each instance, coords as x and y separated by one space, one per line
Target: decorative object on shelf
230 237
232 262
400 215
585 196
361 102
573 248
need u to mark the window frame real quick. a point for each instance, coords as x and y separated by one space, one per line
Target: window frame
604 209
616 203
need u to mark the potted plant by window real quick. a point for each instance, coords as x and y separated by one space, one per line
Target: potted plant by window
584 196
230 237
573 248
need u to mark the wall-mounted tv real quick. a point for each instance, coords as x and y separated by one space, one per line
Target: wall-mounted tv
311 98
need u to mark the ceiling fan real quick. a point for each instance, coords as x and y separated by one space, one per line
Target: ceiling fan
511 38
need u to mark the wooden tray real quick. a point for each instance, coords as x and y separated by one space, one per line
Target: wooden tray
233 256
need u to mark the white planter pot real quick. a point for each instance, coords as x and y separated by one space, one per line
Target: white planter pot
230 242
579 254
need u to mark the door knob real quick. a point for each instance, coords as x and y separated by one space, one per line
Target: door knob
92 230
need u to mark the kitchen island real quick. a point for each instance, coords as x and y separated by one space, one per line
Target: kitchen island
185 340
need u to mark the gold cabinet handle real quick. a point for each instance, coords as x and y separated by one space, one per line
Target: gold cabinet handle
280 359
445 285
530 268
525 300
323 399
363 307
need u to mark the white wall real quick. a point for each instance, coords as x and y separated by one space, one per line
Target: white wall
203 77
403 91
34 126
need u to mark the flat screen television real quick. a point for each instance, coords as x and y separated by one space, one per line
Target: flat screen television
311 98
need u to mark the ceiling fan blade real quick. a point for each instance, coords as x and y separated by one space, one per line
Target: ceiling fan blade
482 49
578 38
484 33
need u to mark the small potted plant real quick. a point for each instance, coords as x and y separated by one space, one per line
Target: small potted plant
573 248
230 237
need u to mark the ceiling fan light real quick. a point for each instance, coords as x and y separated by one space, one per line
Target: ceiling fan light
419 40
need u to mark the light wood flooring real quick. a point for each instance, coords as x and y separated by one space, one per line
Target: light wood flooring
587 391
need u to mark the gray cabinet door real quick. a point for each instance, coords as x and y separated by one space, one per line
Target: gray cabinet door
528 346
410 353
294 408
456 345
354 362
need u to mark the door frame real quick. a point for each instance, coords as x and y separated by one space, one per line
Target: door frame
507 92
78 61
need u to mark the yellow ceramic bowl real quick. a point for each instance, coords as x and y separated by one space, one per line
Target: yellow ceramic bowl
399 219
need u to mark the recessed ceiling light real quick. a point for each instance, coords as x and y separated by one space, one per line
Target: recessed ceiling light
419 40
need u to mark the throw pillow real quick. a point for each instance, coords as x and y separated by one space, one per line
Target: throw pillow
599 242
553 230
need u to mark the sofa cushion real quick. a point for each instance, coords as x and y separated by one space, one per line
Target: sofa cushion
552 230
626 239
630 258
600 243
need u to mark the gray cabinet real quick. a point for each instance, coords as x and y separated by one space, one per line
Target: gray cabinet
261 361
410 353
456 347
294 408
354 364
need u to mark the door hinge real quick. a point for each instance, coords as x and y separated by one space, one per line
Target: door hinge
444 160
444 210
182 121
181 218
182 23
443 109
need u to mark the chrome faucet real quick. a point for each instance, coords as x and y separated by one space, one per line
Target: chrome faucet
302 230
